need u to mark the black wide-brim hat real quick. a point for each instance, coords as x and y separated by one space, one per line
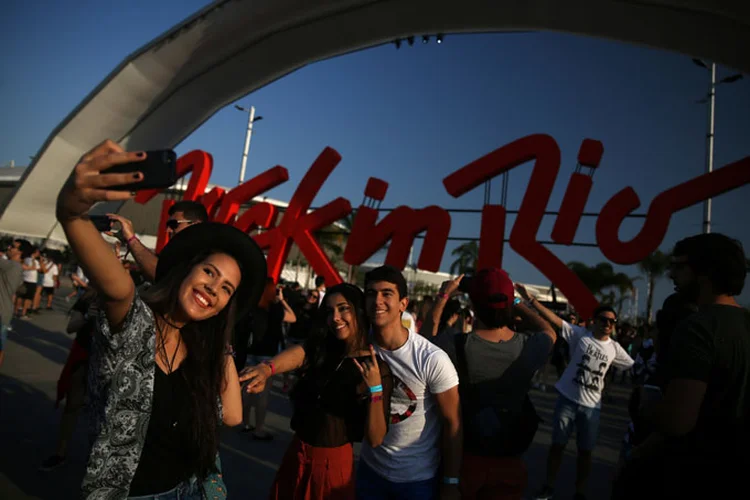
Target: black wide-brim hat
223 238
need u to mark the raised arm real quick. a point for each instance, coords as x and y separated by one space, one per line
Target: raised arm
286 361
289 316
432 321
85 187
535 321
545 313
375 423
145 258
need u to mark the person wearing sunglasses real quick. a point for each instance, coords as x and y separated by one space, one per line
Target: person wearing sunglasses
182 214
579 402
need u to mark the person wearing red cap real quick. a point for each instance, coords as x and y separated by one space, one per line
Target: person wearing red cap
495 366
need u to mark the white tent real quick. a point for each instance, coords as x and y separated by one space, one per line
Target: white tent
169 87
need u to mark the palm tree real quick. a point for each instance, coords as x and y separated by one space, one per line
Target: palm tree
654 267
467 255
603 281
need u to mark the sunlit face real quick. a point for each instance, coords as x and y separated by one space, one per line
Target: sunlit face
177 222
341 317
383 305
605 322
205 292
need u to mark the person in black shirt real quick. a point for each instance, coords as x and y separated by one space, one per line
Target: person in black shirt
266 336
343 396
703 418
299 331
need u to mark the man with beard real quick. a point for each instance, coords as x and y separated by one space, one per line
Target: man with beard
702 420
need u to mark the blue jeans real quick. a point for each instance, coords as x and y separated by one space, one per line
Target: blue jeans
372 486
569 415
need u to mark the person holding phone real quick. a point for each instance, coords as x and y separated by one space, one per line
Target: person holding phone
182 214
342 396
162 381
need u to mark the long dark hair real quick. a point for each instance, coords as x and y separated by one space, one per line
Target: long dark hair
203 367
323 351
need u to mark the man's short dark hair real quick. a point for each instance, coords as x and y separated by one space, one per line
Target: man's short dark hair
604 308
191 209
26 248
494 318
718 257
389 274
320 280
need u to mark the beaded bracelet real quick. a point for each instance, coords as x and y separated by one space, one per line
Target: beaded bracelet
375 399
376 388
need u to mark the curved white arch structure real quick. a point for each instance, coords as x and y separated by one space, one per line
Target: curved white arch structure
168 88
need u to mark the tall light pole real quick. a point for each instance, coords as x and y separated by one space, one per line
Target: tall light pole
250 120
711 100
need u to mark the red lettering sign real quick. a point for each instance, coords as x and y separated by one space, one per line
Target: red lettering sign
403 224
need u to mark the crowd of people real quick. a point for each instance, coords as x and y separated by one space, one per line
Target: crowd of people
169 348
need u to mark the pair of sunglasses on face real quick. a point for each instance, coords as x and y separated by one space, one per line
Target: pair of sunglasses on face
607 321
173 224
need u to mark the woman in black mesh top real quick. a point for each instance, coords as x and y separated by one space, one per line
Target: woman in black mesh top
343 396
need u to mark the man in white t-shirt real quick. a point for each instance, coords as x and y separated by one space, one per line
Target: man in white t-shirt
51 281
31 267
580 387
425 427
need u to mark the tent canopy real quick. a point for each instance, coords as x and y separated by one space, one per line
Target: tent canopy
164 91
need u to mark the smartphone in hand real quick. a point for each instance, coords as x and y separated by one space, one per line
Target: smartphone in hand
102 223
159 171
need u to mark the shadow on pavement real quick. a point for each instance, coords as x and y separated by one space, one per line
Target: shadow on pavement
28 427
51 344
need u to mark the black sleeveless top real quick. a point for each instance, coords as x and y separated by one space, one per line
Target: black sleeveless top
162 465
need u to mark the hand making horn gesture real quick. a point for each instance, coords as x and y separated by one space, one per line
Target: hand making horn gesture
87 185
369 369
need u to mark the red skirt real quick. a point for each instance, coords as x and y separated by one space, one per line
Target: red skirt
313 473
492 478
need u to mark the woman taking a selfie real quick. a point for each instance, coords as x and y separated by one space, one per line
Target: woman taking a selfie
342 396
161 381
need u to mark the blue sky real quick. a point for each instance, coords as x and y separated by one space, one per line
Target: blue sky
414 115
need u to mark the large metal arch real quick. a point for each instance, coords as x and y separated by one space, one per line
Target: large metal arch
233 47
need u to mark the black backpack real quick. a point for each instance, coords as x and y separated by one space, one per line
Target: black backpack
489 429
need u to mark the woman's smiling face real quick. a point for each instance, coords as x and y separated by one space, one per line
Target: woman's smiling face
205 292
341 317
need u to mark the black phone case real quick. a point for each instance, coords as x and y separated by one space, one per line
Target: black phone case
102 223
159 171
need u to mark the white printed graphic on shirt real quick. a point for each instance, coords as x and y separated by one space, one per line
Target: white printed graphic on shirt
583 379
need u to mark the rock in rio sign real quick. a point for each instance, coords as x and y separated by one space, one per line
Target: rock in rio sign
403 224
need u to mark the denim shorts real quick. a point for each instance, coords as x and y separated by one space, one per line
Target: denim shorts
189 490
570 415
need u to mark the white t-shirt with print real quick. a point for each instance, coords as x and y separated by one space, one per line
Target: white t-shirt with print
49 276
411 448
583 379
30 276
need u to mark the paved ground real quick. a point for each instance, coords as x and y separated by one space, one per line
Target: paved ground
28 427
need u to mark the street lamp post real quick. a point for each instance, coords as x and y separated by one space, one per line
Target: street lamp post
711 100
250 120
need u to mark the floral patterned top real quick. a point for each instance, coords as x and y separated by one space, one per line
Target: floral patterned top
121 385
